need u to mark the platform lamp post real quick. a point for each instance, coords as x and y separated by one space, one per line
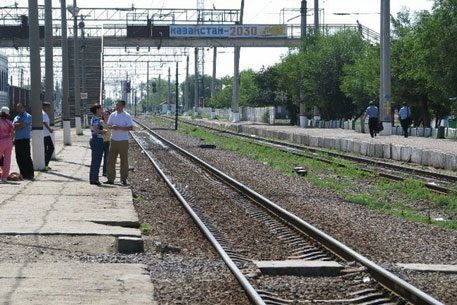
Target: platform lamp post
74 10
65 77
35 78
235 110
48 42
385 85
303 119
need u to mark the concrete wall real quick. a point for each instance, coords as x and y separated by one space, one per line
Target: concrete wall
403 153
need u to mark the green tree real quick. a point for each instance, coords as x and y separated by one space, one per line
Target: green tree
361 79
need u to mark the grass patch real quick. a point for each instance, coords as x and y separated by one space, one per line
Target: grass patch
351 183
145 229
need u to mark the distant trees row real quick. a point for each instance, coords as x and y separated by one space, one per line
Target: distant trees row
339 73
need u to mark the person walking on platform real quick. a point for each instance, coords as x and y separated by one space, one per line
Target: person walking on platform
106 140
405 118
96 143
22 126
6 141
120 123
47 130
373 113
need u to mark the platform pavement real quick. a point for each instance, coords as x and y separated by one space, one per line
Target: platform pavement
438 153
62 202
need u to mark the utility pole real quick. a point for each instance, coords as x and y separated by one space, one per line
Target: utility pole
303 10
35 76
76 70
235 113
196 97
213 80
159 90
65 77
169 89
83 69
176 98
186 87
316 15
147 88
48 41
385 104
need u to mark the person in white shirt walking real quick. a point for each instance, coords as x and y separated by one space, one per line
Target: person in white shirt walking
47 130
120 123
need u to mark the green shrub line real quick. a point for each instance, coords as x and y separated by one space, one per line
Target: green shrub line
383 195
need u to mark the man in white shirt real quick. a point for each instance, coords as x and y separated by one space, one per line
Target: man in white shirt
47 130
120 123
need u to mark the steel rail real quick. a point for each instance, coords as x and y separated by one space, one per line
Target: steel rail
384 277
336 155
250 291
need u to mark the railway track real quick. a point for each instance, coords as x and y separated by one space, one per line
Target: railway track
437 182
300 240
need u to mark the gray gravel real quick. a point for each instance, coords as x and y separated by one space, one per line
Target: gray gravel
380 237
183 265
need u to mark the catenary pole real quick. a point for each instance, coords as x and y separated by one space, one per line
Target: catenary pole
385 111
147 88
186 86
169 89
196 97
176 98
49 72
65 77
316 15
76 71
235 113
213 80
303 10
35 79
83 69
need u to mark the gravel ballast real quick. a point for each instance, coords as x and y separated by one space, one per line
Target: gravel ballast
382 238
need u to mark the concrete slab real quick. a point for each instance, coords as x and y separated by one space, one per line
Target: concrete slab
320 142
416 155
451 162
344 144
75 283
363 147
351 146
427 157
299 267
378 150
396 152
371 150
386 151
438 159
313 141
430 267
406 153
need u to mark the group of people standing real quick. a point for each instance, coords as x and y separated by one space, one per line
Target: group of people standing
404 115
109 138
19 131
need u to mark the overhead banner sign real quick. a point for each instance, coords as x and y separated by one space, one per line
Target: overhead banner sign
228 31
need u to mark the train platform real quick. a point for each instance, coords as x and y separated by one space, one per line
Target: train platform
437 153
61 204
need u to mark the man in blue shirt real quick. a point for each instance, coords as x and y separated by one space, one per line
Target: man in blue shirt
22 126
373 113
405 118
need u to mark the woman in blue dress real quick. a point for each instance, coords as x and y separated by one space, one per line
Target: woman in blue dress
96 143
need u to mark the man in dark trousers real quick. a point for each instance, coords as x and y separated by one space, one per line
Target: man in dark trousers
47 131
405 118
22 126
373 113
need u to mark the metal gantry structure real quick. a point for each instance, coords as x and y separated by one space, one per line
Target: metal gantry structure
111 26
